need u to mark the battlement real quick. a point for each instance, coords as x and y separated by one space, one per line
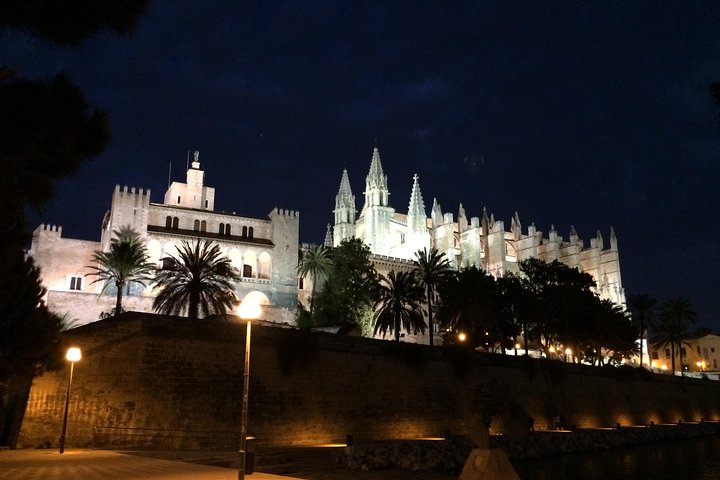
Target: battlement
132 190
52 229
285 212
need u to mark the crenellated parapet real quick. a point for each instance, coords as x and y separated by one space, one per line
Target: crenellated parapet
50 230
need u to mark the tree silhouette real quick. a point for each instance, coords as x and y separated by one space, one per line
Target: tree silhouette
124 264
643 310
675 317
431 269
315 262
398 306
469 304
198 280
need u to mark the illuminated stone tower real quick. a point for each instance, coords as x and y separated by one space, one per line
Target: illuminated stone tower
373 226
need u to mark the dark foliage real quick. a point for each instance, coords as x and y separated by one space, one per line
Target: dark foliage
352 285
30 339
69 22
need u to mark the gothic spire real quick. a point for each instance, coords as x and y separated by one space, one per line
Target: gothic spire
416 219
344 201
329 236
436 214
462 219
376 189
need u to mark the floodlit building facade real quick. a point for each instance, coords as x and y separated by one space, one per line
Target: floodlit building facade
265 251
699 354
482 241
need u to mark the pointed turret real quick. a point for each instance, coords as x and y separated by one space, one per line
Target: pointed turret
573 235
613 239
344 211
376 189
344 201
416 219
599 239
462 219
515 226
436 214
329 236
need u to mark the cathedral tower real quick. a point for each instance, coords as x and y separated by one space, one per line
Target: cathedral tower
374 221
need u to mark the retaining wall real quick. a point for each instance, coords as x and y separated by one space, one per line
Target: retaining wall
167 382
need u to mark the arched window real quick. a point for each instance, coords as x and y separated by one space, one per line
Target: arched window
196 225
244 231
250 232
168 222
203 226
175 223
247 271
227 229
75 283
221 230
264 269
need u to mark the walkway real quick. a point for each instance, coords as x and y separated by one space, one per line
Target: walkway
107 465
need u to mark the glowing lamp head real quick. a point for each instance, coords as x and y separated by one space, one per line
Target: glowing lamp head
663 367
73 354
699 364
568 351
249 310
517 346
462 337
551 349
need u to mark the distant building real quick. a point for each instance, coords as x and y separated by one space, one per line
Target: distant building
265 251
480 241
699 354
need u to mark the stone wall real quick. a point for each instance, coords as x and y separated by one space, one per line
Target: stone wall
171 383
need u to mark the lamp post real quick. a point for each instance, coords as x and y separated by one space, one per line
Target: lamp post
72 355
248 310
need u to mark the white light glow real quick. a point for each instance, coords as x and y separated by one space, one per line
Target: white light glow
73 354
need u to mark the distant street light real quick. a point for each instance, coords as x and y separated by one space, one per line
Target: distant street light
73 355
461 337
248 310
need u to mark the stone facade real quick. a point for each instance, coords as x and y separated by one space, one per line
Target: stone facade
699 354
265 251
480 241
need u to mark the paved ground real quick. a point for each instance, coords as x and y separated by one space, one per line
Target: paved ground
106 465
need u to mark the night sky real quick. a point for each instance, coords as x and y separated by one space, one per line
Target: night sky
592 114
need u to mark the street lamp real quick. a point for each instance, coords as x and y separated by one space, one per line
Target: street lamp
568 354
73 355
248 310
462 337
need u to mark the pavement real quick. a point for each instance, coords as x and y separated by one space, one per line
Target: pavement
108 465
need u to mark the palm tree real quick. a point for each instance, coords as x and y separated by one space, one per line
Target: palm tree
316 261
431 268
198 279
676 315
643 312
399 305
469 304
126 262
